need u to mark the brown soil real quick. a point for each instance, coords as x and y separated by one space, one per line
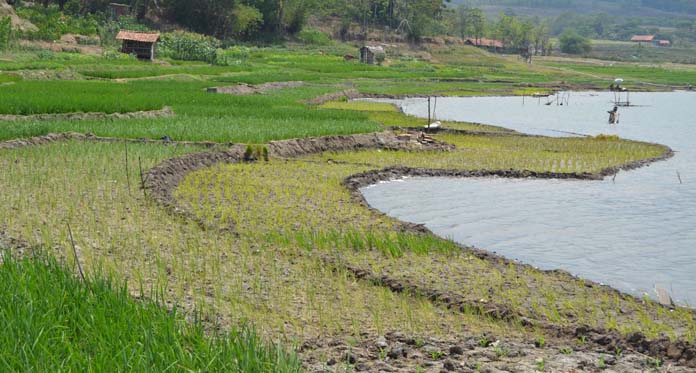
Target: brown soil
162 113
247 89
67 136
383 140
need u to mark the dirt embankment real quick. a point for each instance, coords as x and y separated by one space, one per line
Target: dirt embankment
67 136
165 112
381 140
248 89
352 94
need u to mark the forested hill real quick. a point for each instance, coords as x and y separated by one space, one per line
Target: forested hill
642 8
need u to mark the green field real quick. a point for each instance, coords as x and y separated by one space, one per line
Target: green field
52 321
246 269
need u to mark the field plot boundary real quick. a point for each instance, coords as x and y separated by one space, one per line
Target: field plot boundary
165 112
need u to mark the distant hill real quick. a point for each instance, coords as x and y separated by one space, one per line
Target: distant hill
619 8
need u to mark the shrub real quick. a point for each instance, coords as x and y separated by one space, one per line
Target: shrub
5 33
189 46
314 37
573 43
109 30
52 23
231 56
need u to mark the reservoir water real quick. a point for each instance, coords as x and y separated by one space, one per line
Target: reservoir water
632 233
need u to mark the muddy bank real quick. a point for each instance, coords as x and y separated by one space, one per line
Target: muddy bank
151 114
353 94
444 130
380 140
399 352
67 136
249 89
162 180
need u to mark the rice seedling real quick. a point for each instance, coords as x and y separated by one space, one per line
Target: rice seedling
235 278
53 321
302 205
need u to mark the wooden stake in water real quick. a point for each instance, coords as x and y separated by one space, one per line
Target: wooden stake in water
679 177
429 112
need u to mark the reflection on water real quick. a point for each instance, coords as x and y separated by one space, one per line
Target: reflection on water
633 233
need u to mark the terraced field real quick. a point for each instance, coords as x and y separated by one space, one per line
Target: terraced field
285 246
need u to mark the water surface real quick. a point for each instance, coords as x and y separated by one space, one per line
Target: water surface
631 233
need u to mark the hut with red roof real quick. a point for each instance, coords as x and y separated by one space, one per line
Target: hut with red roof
141 44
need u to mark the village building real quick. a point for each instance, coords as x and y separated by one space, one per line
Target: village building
643 38
371 55
141 44
489 44
651 39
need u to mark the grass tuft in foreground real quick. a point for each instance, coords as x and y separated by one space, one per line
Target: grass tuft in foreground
54 322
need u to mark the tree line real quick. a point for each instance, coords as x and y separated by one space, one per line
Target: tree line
252 19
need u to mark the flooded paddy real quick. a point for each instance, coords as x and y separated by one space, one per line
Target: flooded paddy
632 232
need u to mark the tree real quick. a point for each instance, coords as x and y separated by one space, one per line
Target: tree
573 43
477 22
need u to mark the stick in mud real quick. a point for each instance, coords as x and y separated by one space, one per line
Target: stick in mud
77 259
127 172
142 179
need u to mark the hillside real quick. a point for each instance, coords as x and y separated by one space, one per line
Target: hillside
6 10
620 8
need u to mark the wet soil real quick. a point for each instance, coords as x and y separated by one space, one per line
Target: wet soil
150 114
248 89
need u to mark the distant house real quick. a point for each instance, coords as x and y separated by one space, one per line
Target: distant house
664 43
142 44
643 39
371 55
490 44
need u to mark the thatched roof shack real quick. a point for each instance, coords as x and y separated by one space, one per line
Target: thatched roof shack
142 44
370 55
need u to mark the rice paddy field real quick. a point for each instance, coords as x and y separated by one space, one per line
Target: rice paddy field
275 265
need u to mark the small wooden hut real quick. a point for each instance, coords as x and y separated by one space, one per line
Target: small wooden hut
142 44
369 55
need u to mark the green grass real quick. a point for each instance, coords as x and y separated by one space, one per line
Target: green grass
637 74
52 321
236 278
9 78
199 115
